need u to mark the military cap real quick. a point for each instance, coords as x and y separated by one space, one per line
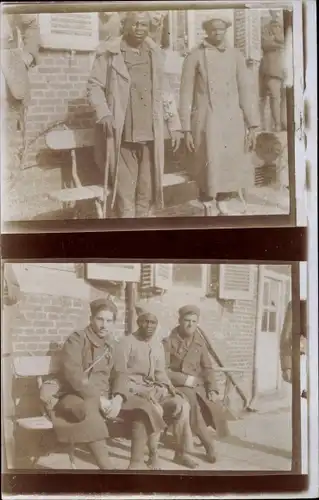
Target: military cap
188 309
216 17
145 309
103 304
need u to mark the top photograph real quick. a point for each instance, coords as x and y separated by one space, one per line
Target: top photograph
171 118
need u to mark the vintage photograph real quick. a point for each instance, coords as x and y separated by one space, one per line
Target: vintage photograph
150 113
151 366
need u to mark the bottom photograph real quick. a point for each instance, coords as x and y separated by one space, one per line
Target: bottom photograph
149 366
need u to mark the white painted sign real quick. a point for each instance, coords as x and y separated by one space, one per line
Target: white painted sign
114 272
69 31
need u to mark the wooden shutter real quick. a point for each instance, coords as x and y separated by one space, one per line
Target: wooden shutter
69 31
163 276
147 277
236 282
247 33
156 276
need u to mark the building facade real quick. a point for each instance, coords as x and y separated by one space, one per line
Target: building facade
242 309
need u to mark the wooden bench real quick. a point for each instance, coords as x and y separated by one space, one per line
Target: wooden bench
72 191
39 367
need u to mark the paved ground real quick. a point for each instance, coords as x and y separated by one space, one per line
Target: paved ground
259 441
26 199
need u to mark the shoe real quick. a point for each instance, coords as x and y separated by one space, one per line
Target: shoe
185 460
210 455
153 462
137 466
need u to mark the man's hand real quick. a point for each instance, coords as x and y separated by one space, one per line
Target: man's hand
176 140
27 59
108 124
189 141
105 404
115 407
251 137
213 396
191 381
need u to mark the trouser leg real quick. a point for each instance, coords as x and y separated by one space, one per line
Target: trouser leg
127 180
144 188
177 410
274 85
138 441
99 450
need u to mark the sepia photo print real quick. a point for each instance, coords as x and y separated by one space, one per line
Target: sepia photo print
151 114
153 366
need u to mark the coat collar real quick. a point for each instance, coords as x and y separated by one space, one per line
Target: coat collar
113 45
206 45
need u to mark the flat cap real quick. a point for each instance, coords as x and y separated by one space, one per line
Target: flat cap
216 17
102 304
189 309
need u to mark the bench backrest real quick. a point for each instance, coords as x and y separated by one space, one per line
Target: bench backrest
34 366
68 139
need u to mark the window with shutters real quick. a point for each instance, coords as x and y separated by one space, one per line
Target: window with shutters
185 278
69 31
236 282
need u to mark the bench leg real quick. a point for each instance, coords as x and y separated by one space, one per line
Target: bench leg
71 456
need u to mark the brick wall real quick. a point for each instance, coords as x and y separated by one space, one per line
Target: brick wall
43 320
58 94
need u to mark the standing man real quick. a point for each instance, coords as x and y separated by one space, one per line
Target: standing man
143 358
11 295
191 371
15 85
272 72
132 100
92 392
216 108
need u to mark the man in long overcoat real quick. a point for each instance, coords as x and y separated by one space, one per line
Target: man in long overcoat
191 371
143 358
135 112
15 86
92 393
216 108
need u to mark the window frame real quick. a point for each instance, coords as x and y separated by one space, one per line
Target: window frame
195 291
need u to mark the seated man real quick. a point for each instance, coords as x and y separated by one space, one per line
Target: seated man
143 358
91 392
191 371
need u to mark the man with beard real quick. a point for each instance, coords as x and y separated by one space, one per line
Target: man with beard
144 361
134 108
91 393
191 371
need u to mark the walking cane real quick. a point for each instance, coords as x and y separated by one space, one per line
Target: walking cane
108 143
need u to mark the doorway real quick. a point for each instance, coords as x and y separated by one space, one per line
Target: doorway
273 296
